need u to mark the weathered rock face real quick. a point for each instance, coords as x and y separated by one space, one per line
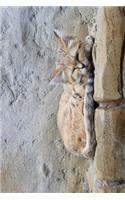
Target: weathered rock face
108 166
33 156
109 40
123 75
110 153
110 156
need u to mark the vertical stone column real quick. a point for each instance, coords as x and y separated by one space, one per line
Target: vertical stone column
109 162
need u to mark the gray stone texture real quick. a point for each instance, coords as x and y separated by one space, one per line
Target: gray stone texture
33 158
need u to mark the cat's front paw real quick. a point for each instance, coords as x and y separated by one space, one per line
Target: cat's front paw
89 151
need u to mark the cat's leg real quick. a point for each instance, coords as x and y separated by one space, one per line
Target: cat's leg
94 53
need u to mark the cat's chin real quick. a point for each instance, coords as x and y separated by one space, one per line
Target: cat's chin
87 153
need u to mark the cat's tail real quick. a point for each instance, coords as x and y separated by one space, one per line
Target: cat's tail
89 113
89 104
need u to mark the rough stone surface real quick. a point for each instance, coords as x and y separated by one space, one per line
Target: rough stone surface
33 158
110 151
107 172
124 70
91 176
110 187
109 39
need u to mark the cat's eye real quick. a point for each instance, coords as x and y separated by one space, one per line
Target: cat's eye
83 65
77 56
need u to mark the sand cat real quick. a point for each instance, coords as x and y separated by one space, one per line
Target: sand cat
75 117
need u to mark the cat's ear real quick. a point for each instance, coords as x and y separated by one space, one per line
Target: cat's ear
74 47
62 39
56 77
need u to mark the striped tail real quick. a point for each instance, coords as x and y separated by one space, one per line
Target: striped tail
89 112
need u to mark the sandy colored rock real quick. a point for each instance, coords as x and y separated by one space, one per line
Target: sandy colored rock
120 189
124 72
109 186
109 40
91 176
110 152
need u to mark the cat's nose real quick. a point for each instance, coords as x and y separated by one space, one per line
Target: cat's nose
83 70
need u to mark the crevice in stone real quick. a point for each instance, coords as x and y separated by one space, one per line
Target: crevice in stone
112 104
107 183
121 64
96 105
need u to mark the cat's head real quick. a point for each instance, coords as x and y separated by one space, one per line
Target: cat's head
69 67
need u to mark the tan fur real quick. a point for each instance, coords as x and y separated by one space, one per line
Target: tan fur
70 118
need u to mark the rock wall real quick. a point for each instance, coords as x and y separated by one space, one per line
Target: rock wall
108 166
33 158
